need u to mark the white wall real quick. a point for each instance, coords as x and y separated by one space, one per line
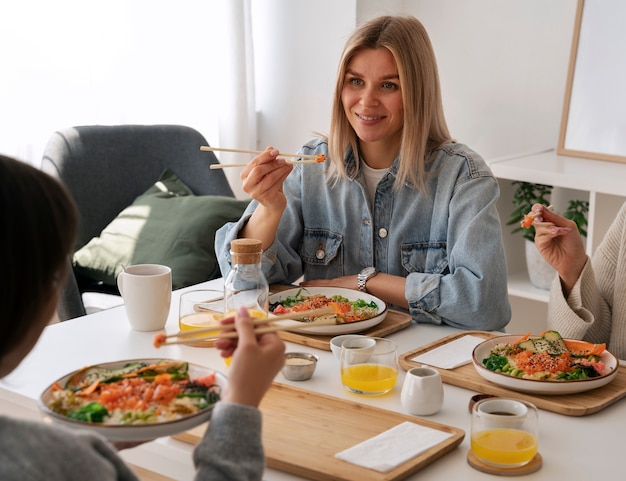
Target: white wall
297 45
503 66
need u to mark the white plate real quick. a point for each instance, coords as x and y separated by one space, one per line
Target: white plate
332 330
536 386
135 432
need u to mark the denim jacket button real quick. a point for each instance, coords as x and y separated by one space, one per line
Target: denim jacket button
382 232
320 254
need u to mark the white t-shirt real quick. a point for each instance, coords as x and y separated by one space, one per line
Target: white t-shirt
372 177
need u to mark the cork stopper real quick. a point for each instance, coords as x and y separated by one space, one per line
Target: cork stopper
245 251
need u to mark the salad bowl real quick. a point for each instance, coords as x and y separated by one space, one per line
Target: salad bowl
537 386
129 432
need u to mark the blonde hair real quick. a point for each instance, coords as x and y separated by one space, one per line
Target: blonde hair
425 126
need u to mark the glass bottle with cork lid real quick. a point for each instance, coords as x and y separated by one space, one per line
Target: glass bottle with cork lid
246 284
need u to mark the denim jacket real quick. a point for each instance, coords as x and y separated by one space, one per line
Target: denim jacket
447 244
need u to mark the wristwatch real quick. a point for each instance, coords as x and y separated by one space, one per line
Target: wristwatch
364 276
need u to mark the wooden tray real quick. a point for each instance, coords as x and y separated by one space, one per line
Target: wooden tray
146 475
303 430
394 321
569 404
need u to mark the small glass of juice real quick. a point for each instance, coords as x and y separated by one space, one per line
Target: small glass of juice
504 432
371 370
201 309
252 312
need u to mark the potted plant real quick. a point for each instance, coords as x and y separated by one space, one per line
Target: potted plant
577 211
525 195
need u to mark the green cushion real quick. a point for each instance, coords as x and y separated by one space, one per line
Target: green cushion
167 225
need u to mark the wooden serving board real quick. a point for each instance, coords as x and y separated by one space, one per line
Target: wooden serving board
394 321
146 475
580 404
303 430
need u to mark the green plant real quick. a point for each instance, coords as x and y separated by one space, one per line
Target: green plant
577 211
526 194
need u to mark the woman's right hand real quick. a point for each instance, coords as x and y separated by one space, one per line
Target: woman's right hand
263 179
256 361
560 243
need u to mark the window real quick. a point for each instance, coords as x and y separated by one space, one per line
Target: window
71 62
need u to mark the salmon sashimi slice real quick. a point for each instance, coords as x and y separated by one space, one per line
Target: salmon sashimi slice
583 348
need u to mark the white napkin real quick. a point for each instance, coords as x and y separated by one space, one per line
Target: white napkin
393 447
453 354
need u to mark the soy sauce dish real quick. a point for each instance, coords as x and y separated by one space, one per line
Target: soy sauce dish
299 366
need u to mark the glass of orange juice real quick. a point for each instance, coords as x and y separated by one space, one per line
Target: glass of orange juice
253 312
370 369
200 309
504 432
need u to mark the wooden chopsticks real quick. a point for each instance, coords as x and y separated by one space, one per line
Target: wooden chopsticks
192 335
312 159
319 322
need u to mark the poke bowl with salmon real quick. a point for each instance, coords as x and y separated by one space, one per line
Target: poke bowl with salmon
134 400
544 364
353 311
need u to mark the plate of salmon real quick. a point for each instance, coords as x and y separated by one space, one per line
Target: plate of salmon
544 364
354 311
134 400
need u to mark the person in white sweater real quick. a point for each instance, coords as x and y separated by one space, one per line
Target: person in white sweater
588 297
37 228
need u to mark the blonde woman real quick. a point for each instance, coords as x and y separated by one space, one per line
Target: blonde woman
398 209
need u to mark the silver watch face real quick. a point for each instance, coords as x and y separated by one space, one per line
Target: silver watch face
368 271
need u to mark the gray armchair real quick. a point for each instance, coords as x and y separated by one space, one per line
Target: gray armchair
106 167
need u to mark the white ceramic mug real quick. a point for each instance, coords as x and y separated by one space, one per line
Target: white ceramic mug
147 293
422 391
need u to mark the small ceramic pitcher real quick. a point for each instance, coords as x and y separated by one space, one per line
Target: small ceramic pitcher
422 391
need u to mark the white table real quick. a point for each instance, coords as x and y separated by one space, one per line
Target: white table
575 448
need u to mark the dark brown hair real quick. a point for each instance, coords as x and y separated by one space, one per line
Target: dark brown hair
37 230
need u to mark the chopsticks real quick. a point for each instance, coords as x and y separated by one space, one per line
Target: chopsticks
186 336
313 159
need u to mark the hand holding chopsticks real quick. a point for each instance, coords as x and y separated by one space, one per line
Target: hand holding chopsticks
311 159
192 335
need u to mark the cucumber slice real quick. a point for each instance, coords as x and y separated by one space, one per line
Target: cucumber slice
527 345
538 345
543 345
556 339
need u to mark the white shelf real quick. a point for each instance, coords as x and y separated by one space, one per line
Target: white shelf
520 286
570 172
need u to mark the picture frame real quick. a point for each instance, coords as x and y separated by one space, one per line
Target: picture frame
593 124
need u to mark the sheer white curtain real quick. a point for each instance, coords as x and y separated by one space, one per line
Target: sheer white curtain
238 118
71 62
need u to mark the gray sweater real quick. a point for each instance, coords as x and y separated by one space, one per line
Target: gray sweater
33 451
